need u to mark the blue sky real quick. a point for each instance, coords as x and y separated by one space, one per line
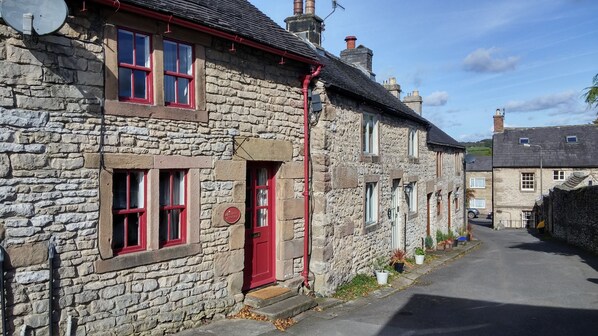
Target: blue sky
534 58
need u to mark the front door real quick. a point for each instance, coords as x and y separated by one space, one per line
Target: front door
395 215
259 226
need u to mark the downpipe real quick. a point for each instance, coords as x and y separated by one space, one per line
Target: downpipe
306 178
2 294
51 255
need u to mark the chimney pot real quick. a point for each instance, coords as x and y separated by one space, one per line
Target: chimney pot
298 8
350 42
310 7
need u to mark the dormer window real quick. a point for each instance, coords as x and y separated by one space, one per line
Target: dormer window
523 141
571 138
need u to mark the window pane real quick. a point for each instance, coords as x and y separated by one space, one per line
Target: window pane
262 177
163 226
140 84
119 191
142 50
118 232
170 56
124 82
179 188
183 93
125 47
262 197
175 223
164 188
169 89
133 229
262 218
185 59
137 194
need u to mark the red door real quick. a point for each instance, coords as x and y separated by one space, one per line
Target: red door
259 226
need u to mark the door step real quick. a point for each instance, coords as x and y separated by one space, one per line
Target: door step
277 302
286 308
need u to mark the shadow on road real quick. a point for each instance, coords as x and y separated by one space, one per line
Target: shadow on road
427 315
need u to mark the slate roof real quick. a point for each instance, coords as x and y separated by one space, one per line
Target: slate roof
436 136
237 17
575 179
481 164
556 152
350 80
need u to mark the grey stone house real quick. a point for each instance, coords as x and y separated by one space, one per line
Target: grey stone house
528 162
146 140
384 177
479 179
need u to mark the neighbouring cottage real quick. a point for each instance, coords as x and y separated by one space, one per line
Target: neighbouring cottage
530 161
383 176
479 180
158 145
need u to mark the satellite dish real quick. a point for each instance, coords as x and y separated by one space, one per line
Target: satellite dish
42 16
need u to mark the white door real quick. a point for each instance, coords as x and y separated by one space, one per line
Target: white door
396 215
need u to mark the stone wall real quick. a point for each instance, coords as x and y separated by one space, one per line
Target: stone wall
572 215
343 245
52 125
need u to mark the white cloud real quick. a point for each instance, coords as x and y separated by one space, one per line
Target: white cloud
562 100
483 60
438 98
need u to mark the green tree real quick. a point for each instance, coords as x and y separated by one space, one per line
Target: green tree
591 93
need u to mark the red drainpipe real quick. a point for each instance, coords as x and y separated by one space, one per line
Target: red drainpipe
306 81
212 31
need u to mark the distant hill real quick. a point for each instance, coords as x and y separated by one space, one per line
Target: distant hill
479 148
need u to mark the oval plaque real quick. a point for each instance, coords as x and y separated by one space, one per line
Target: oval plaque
232 215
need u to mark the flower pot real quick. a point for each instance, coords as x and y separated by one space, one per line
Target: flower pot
399 267
382 277
455 243
419 259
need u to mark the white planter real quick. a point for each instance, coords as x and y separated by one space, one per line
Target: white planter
419 259
382 277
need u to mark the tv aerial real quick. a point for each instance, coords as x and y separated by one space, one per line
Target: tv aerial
40 16
335 5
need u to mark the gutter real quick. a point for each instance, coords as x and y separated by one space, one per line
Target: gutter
306 82
205 29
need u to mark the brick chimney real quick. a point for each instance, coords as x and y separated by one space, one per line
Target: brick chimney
359 56
392 87
414 101
499 121
307 26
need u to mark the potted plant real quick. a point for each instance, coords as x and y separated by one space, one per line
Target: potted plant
440 240
380 265
397 260
419 255
450 240
429 243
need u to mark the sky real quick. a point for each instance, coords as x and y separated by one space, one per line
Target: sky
534 58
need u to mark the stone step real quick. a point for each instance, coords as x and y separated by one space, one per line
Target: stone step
287 308
267 296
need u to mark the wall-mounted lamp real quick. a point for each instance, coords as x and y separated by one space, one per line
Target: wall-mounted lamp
408 188
439 196
457 195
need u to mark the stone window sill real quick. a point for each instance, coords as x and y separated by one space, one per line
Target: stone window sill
412 215
371 227
127 109
370 158
131 260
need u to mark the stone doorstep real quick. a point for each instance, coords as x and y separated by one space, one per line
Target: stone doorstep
267 296
287 308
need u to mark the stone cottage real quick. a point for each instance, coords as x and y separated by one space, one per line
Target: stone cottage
479 179
384 177
157 148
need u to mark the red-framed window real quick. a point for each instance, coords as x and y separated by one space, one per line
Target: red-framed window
134 66
173 205
178 74
129 215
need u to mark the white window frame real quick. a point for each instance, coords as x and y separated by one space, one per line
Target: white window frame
371 203
477 203
558 175
369 133
477 183
413 150
524 141
526 179
411 198
571 138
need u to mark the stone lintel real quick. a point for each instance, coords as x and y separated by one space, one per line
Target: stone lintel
255 149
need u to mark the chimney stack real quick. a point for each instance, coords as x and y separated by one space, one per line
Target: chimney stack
360 56
391 86
307 26
310 7
414 101
298 8
499 121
